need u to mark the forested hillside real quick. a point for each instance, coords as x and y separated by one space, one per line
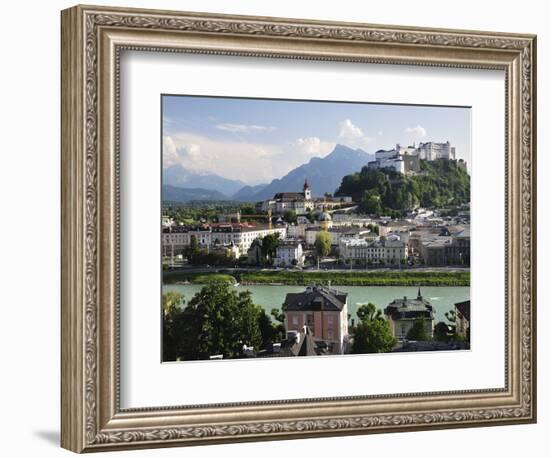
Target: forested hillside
386 192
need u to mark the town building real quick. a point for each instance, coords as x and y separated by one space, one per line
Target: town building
297 231
462 323
299 202
289 254
445 250
395 226
402 314
175 239
358 251
324 311
336 233
254 253
230 250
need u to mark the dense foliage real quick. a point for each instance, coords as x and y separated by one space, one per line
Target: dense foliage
387 192
197 212
418 331
373 333
216 321
322 244
358 278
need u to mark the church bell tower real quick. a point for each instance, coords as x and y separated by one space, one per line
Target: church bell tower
307 190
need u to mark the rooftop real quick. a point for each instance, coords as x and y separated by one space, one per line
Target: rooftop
464 309
405 308
315 298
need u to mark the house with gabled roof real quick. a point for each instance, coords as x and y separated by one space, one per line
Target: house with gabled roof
403 312
323 310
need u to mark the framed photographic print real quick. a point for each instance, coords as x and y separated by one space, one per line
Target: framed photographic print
278 228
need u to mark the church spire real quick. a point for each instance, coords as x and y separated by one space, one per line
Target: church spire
307 190
419 294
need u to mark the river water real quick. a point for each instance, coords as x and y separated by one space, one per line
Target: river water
269 297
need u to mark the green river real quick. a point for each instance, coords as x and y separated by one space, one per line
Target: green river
269 297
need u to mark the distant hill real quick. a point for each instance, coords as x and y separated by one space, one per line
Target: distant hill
175 194
247 193
387 192
180 177
323 174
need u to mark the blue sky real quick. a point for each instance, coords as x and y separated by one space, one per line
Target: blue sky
257 140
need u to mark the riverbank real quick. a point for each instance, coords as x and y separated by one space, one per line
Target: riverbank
352 278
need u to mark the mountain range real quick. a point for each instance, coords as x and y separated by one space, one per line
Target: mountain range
324 175
175 194
176 175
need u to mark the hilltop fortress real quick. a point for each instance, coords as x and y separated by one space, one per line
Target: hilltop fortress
406 159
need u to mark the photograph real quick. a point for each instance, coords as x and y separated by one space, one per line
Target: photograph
313 228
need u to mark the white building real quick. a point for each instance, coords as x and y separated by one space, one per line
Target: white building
177 238
405 159
299 202
432 151
391 251
297 231
336 233
289 254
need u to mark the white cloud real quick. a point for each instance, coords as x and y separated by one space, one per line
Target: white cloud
348 131
243 128
250 162
169 152
352 135
312 147
417 132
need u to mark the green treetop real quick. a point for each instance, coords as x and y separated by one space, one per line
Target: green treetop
322 244
373 333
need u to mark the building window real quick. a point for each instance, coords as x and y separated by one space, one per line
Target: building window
294 321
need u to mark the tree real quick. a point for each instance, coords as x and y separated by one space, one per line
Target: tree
218 320
322 244
269 245
451 316
171 311
441 332
373 228
193 249
373 333
171 303
271 332
278 315
248 210
369 312
370 203
418 331
289 216
391 193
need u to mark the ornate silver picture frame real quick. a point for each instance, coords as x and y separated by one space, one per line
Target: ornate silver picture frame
93 39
